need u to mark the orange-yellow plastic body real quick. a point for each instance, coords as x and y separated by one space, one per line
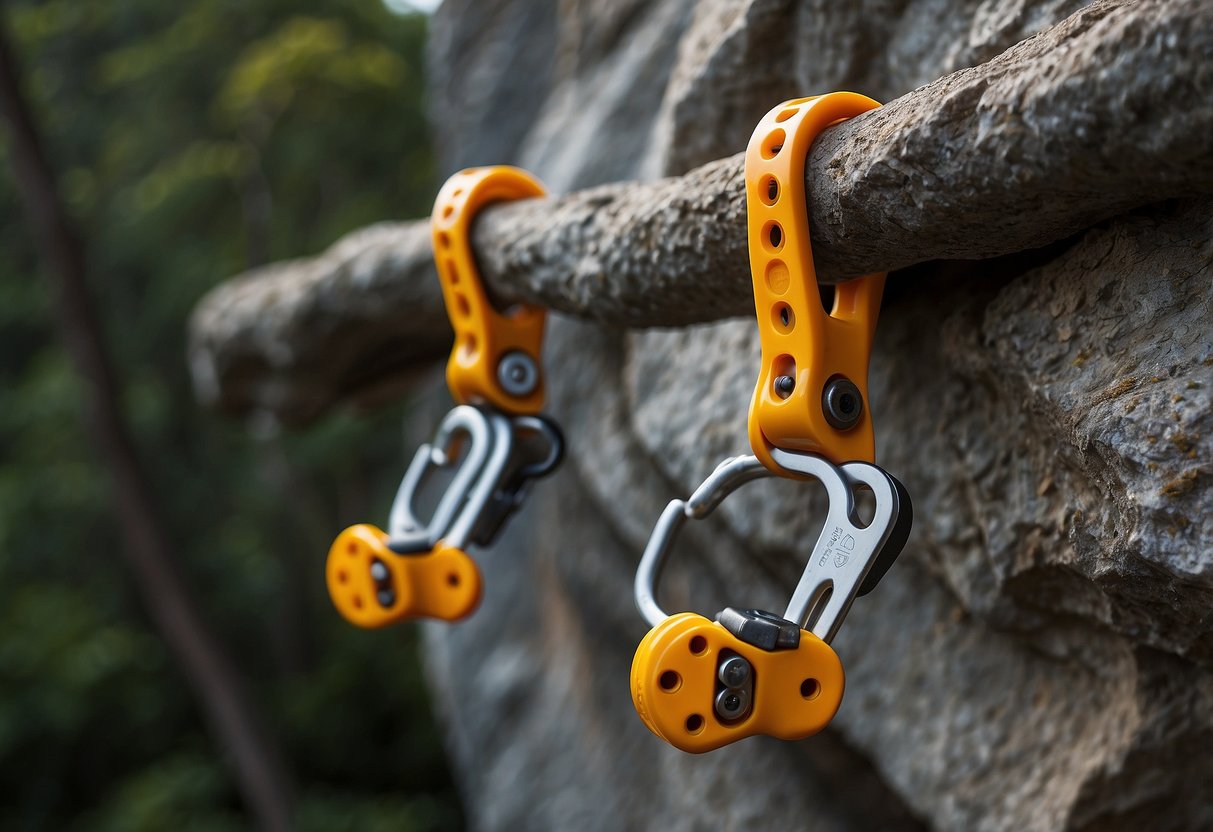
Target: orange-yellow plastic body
812 346
796 692
482 334
443 583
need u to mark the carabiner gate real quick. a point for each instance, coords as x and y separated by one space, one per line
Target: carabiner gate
462 425
512 486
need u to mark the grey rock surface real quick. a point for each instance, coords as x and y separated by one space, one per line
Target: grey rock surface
1041 657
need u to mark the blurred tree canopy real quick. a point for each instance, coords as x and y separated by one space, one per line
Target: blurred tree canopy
192 141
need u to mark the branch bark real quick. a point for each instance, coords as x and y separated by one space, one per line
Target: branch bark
1109 110
148 550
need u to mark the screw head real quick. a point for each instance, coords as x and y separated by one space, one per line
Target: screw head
732 705
379 571
784 385
734 672
842 403
517 373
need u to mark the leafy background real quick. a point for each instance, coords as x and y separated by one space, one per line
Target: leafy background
193 141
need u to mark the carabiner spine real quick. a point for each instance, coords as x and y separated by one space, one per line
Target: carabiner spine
463 423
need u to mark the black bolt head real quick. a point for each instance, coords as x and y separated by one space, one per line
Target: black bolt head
842 403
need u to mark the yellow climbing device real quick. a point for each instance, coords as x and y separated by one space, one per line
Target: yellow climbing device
496 354
701 684
493 442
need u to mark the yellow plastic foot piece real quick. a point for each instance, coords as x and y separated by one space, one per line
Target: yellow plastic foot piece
680 685
372 586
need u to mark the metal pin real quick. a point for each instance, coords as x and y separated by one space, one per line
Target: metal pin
379 572
517 373
734 672
731 705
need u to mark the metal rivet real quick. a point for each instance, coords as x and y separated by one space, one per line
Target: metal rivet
379 571
517 373
784 385
734 672
732 705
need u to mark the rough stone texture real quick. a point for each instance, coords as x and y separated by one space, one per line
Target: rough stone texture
269 344
480 114
1042 655
1107 111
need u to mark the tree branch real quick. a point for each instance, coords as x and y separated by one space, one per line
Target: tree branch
292 338
1109 110
258 770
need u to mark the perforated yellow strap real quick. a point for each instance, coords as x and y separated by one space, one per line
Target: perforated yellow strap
483 335
804 349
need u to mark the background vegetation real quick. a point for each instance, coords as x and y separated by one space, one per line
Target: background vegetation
191 142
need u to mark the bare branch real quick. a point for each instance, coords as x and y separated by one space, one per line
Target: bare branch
292 338
1109 110
259 772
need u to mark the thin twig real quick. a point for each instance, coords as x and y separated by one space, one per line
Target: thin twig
259 772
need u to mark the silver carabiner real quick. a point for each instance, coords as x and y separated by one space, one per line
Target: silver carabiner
847 560
463 424
488 486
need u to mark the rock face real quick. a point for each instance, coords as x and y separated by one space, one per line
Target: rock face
1041 656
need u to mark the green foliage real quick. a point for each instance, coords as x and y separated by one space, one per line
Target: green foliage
193 141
